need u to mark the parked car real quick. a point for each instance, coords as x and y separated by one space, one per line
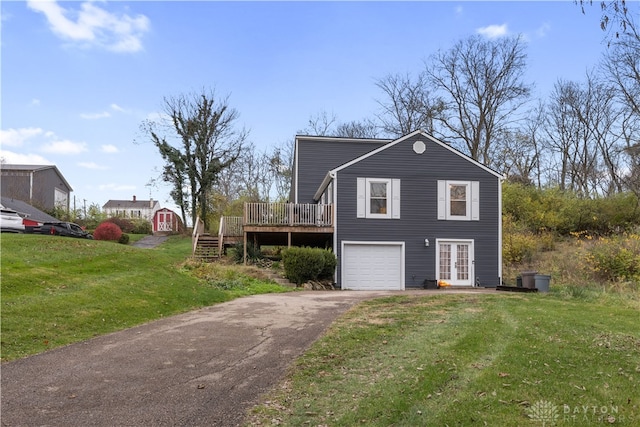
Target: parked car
11 222
63 229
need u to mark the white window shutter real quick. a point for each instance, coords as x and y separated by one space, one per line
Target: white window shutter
362 198
475 201
395 198
442 199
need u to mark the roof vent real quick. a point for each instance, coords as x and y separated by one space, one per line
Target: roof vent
419 147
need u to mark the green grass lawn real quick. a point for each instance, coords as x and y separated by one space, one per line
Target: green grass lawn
569 357
58 290
468 360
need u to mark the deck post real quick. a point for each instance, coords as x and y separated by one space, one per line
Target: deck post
288 239
244 257
290 213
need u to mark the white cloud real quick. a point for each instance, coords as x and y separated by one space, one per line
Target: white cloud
118 108
23 159
94 26
92 165
64 147
17 137
35 102
94 116
459 10
109 148
543 30
116 187
493 31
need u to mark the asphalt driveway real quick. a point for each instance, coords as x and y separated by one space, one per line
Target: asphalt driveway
202 368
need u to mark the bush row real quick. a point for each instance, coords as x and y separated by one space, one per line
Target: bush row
564 212
133 226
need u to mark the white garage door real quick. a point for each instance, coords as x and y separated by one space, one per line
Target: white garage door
373 266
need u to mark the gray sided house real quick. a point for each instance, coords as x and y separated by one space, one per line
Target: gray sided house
42 186
405 211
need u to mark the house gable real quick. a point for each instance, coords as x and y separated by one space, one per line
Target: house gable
418 162
43 186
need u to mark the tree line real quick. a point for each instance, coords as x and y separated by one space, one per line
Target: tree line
583 138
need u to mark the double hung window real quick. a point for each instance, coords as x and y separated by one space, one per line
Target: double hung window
378 198
458 200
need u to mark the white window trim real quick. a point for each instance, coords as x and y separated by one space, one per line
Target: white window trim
364 198
472 205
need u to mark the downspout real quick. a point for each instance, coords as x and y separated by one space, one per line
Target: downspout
31 188
500 180
335 221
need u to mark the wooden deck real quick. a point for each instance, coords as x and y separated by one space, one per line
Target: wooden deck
282 224
277 224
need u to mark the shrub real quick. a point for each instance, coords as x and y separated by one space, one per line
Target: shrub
304 264
329 267
125 225
140 226
253 253
518 247
107 231
616 258
124 239
518 244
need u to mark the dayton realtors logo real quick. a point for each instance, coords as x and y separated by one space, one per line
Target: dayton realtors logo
549 414
545 412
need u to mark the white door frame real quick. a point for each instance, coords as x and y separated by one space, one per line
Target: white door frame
454 281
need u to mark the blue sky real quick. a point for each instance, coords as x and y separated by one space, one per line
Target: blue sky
78 78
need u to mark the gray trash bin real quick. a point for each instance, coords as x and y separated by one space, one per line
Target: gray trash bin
542 282
528 279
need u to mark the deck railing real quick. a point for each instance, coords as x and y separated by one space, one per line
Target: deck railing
288 214
230 226
198 229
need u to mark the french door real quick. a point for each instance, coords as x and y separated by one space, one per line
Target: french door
455 261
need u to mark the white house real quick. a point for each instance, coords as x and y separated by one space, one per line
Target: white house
144 209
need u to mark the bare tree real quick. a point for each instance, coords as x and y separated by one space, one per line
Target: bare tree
281 165
483 88
519 156
618 18
205 142
621 65
582 129
408 104
561 127
356 129
320 124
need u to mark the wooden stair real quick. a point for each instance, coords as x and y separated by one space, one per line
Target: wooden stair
207 248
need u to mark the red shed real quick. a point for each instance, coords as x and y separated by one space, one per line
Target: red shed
166 221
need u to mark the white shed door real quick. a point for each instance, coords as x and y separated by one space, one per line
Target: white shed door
373 266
